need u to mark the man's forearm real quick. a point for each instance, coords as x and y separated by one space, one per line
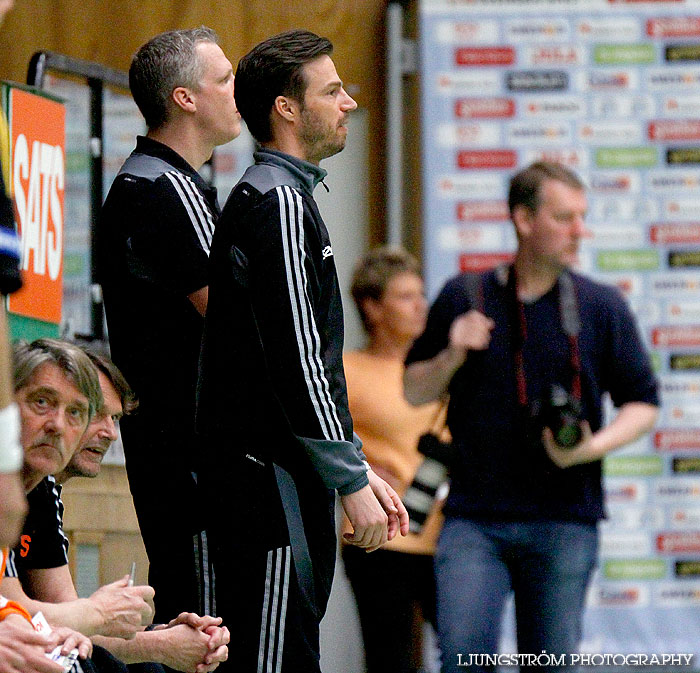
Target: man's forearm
144 646
427 380
633 420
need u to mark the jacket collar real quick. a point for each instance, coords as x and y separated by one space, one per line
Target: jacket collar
308 175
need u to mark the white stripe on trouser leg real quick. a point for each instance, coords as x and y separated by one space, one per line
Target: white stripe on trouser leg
274 610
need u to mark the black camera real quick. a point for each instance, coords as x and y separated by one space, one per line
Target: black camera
430 477
561 413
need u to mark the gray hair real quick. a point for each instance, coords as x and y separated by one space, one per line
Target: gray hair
165 62
71 360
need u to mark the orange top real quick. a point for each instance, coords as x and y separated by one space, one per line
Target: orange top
389 428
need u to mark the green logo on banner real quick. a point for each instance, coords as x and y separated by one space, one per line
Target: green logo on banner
633 466
685 258
617 54
628 260
626 157
637 569
655 358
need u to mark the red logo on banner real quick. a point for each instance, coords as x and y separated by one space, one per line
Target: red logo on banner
38 142
484 108
684 335
487 159
680 129
678 542
681 26
685 232
485 56
482 261
482 211
672 440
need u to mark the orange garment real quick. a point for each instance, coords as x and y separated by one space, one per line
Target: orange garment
10 607
389 428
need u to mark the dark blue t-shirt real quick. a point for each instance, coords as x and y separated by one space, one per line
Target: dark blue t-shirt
503 471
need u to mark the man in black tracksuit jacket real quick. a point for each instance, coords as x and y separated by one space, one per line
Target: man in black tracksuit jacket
272 405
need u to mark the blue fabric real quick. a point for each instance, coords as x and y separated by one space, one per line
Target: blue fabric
546 564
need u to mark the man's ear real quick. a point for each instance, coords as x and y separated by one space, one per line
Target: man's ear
184 99
522 219
287 108
371 309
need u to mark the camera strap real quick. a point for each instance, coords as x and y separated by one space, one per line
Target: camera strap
570 324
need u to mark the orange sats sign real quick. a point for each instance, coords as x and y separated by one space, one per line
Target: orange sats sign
38 139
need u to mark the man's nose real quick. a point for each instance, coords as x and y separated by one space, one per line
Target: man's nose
55 421
108 429
580 228
349 102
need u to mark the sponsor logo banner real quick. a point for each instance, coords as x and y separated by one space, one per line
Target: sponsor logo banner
477 262
472 32
598 80
610 133
469 81
493 159
626 596
617 491
673 232
554 55
608 28
677 439
681 335
675 595
628 260
681 209
633 466
633 518
566 107
685 362
623 209
629 284
679 385
670 284
486 56
484 108
537 30
674 26
685 518
619 182
626 157
678 542
682 155
684 258
634 569
482 211
478 134
624 544
678 490
671 78
681 106
686 568
605 236
682 52
675 129
537 80
623 105
473 186
476 237
681 416
686 465
524 133
618 54
673 181
572 157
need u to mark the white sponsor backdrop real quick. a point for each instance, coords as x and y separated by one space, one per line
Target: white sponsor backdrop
612 89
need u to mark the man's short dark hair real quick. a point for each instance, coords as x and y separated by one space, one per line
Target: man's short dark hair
373 273
127 397
165 62
526 186
275 68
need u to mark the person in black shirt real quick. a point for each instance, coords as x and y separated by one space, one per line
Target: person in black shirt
522 510
154 235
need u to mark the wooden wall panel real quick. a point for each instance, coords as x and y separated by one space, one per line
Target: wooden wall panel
110 31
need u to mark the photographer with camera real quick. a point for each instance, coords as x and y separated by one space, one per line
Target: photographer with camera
529 360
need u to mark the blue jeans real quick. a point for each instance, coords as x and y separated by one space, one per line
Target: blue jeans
547 565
